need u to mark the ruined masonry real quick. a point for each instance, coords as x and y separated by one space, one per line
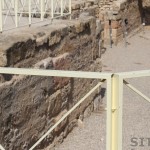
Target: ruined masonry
30 105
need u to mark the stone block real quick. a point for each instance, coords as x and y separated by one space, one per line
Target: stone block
54 38
101 16
120 5
3 59
75 6
63 123
54 104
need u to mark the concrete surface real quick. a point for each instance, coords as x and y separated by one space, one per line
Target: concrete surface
136 111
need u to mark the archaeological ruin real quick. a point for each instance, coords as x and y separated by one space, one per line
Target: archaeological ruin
30 105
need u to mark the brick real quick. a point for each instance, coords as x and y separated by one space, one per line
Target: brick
115 33
114 25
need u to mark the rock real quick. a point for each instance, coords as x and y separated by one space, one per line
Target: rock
80 123
54 104
87 111
63 123
97 104
54 38
83 15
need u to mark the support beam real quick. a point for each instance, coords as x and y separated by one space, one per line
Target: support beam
30 15
66 115
52 9
109 117
134 74
136 91
55 73
117 102
70 9
62 7
1 147
1 16
16 12
42 10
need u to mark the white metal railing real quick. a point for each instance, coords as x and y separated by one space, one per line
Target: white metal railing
17 13
1 147
102 77
114 98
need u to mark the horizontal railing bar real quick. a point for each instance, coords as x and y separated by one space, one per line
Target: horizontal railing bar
38 12
56 73
136 91
42 8
45 20
134 74
1 147
66 115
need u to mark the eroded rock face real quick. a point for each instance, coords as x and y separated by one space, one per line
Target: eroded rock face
30 105
146 11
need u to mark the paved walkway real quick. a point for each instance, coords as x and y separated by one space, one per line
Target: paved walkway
136 111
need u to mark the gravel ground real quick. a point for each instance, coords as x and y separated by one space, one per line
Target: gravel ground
136 111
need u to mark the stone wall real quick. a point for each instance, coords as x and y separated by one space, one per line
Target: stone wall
31 105
117 11
146 11
90 6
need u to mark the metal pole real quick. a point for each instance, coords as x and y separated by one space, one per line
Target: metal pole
16 12
117 97
126 33
1 147
143 22
13 3
62 8
42 10
143 27
1 17
52 9
110 33
3 4
109 119
70 10
30 20
99 52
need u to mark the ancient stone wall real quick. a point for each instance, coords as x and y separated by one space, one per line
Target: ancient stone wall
31 105
117 11
88 6
146 11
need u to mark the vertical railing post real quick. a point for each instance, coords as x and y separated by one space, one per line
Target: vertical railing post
116 123
1 16
16 12
52 9
109 111
62 8
1 147
42 10
30 15
12 2
70 10
3 4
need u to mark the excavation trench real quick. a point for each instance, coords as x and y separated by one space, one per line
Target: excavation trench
30 105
